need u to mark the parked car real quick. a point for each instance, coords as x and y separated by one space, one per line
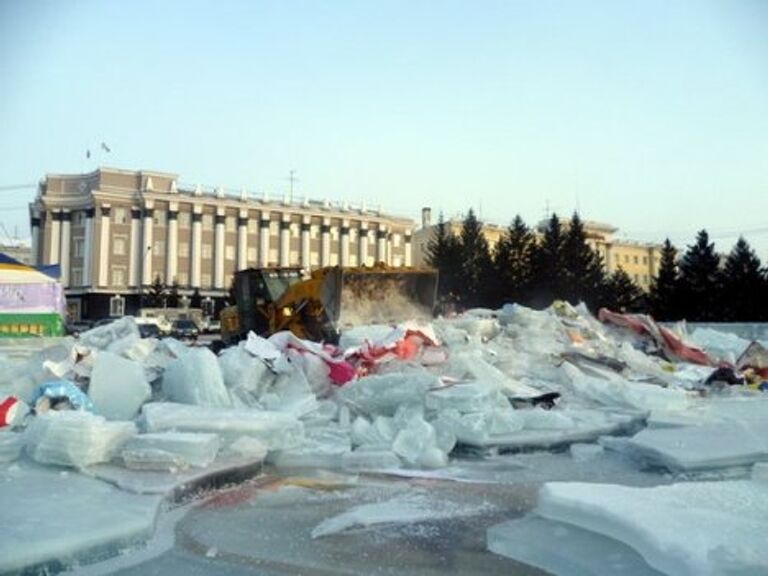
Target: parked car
150 331
183 328
210 326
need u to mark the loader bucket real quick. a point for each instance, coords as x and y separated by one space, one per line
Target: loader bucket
385 296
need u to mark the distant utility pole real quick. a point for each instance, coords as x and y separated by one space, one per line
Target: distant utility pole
292 180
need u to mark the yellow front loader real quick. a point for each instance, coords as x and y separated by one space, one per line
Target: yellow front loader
319 306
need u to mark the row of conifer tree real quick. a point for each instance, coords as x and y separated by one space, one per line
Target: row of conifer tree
534 270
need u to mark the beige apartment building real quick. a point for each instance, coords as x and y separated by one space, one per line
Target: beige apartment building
114 231
639 260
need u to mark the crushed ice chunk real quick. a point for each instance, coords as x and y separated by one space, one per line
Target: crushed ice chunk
118 387
196 379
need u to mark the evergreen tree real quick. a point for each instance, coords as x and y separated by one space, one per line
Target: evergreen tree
548 266
476 271
622 294
743 292
700 281
513 263
173 295
583 274
443 255
665 287
157 293
196 301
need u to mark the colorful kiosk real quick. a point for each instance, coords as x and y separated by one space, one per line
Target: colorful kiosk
31 303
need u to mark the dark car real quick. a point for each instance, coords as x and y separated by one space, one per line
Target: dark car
182 329
149 331
78 326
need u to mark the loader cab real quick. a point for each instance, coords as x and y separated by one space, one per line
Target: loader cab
257 288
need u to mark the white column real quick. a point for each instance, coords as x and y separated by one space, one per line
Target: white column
381 244
325 242
134 250
104 245
35 226
344 247
172 250
197 246
305 244
264 239
408 254
146 269
362 247
66 235
218 249
88 247
285 240
53 252
242 240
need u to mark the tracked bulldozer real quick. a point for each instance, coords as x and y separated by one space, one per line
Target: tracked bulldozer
319 306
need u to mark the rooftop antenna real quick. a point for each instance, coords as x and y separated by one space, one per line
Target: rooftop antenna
546 209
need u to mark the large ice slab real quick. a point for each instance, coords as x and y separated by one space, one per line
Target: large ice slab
165 450
715 444
118 387
278 431
61 517
196 378
565 550
686 529
74 438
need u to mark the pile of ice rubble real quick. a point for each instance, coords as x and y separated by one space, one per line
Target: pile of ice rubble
409 396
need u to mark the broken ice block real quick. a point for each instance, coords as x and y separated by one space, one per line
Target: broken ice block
275 429
247 377
385 393
153 459
11 444
465 397
190 448
321 448
710 445
115 336
248 447
565 550
74 438
685 529
196 378
118 387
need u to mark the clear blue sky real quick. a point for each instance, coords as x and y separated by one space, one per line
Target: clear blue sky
650 114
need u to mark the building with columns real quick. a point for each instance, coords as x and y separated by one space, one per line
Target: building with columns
113 232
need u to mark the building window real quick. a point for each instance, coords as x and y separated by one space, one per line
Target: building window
183 249
635 259
205 280
626 259
637 278
77 276
396 242
231 223
273 227
645 278
118 245
229 252
158 217
117 306
120 215
159 248
79 249
182 278
253 226
207 221
645 259
207 251
78 218
118 276
252 255
313 230
184 219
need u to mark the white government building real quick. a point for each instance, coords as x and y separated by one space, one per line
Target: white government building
114 232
